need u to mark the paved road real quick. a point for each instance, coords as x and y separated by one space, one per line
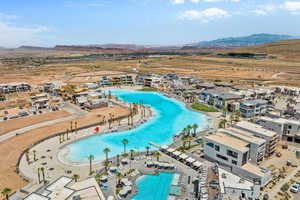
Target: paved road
72 109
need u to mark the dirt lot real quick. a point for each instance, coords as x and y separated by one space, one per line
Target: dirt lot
11 149
14 124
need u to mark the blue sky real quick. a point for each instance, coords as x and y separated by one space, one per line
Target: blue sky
150 22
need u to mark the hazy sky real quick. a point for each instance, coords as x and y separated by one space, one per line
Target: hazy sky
165 22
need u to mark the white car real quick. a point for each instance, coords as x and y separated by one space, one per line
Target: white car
295 188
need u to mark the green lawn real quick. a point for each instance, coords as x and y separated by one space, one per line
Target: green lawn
203 108
148 90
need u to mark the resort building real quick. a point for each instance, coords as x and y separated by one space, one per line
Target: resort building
234 154
65 189
252 108
282 126
219 99
14 87
40 101
233 185
271 137
294 110
256 145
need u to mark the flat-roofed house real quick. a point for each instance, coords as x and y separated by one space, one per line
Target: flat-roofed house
271 137
40 101
252 108
226 149
234 154
284 127
220 98
257 145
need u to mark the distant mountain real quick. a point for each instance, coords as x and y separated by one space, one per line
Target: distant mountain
251 40
34 48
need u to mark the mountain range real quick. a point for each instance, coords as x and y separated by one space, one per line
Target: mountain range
224 43
251 40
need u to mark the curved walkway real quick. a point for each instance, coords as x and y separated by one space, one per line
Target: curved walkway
12 148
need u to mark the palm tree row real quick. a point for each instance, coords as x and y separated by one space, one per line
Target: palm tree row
187 130
69 131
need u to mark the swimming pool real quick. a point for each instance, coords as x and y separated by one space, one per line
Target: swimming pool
152 187
171 117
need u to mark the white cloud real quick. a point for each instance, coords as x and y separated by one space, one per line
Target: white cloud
14 36
204 15
292 6
260 12
178 1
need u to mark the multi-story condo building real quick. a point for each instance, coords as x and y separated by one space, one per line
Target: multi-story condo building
257 146
252 108
234 154
269 136
220 98
284 127
14 87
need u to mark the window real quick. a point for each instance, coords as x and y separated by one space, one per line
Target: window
222 157
217 147
210 144
232 154
234 162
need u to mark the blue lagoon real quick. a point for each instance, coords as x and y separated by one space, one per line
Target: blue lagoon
171 117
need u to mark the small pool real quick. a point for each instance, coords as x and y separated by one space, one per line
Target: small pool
154 187
171 117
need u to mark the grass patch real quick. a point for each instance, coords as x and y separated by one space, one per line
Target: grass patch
148 90
203 108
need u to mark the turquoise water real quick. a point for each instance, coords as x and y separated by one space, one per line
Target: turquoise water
154 187
171 117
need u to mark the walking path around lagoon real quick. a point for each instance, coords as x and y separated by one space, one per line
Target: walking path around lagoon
82 170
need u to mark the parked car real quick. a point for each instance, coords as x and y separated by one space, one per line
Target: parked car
23 114
295 188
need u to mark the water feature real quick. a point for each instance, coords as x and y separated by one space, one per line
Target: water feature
171 117
152 187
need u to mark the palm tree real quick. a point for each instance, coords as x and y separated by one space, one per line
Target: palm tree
75 127
147 150
43 174
184 131
189 140
157 155
222 123
118 160
5 192
39 176
189 127
76 177
91 158
67 134
106 164
27 157
125 142
34 155
131 154
119 176
195 126
106 151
